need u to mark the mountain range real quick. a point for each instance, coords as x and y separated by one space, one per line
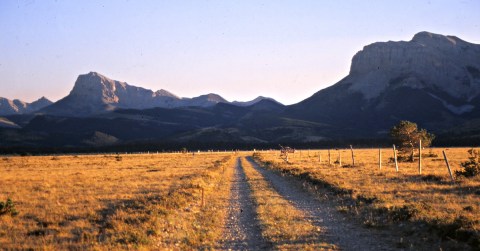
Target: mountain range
10 107
433 80
94 93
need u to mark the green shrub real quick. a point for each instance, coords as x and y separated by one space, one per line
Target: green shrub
471 168
8 207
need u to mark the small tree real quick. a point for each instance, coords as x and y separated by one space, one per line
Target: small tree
407 134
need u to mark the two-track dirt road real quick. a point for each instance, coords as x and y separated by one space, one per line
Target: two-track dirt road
243 230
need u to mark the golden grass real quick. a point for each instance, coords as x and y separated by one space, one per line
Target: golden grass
403 195
114 202
282 224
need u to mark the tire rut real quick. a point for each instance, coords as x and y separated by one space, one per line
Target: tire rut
242 229
338 229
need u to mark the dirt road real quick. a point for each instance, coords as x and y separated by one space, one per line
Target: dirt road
242 230
339 230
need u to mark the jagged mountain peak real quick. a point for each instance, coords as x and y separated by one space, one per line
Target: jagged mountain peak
262 98
213 97
16 106
254 101
205 100
93 78
95 93
429 38
266 104
42 100
259 98
96 87
166 93
94 74
39 104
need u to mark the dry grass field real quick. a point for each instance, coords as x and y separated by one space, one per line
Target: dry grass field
114 202
384 197
154 201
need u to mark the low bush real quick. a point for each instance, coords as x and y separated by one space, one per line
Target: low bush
8 207
471 168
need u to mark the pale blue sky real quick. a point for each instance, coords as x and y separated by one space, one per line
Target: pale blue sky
239 49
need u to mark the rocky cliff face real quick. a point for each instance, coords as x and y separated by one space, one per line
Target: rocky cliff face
94 93
100 90
11 107
428 61
433 80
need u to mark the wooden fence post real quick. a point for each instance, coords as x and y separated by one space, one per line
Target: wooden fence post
448 166
395 157
339 158
380 158
353 156
420 157
329 159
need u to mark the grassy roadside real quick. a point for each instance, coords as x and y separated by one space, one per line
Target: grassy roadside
113 202
282 224
422 208
197 226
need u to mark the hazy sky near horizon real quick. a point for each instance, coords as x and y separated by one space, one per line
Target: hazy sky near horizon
287 50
